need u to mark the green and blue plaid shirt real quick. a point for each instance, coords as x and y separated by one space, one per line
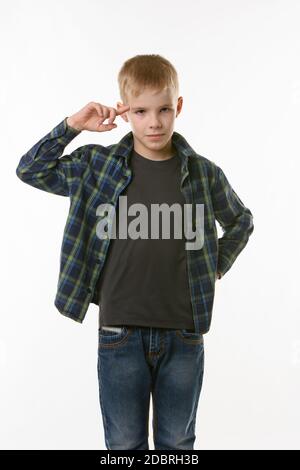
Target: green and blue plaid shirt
94 174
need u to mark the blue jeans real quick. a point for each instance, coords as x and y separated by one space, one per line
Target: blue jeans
134 362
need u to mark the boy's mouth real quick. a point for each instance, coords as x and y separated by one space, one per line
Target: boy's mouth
155 136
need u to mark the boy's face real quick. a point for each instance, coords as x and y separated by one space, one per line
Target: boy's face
153 113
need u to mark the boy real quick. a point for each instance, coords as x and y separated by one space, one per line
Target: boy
155 295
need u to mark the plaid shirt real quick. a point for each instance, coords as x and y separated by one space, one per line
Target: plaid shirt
94 174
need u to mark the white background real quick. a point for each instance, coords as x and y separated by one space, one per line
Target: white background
239 72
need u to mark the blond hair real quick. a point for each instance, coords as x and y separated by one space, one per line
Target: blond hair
150 71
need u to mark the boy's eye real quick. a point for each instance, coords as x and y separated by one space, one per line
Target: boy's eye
141 110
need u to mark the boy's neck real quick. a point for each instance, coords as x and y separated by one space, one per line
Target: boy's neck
164 154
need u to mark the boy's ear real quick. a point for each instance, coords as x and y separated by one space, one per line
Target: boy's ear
179 105
123 115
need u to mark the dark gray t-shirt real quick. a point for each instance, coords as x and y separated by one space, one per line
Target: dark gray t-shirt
144 282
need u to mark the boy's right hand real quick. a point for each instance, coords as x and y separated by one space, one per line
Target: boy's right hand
92 115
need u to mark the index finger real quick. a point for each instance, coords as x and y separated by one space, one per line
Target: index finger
123 109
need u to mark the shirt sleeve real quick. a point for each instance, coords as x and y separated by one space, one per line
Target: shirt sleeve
42 167
235 219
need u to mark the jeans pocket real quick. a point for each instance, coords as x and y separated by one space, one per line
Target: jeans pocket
111 336
189 336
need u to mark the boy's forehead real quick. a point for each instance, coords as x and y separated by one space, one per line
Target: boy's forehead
150 98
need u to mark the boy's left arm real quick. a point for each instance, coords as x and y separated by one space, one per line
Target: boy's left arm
235 219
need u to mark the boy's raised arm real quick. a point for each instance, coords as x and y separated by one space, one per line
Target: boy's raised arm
235 219
41 166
